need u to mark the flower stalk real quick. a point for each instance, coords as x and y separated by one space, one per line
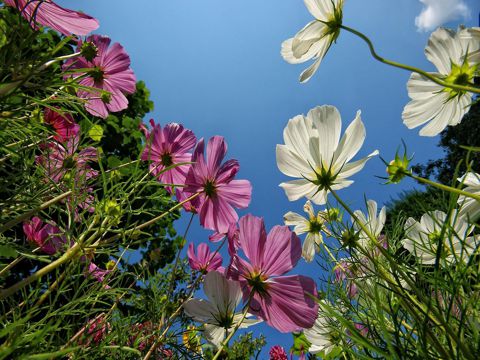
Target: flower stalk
408 67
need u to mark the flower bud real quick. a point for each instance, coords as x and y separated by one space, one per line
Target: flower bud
89 50
397 169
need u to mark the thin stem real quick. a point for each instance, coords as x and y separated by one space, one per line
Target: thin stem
177 258
57 59
26 215
152 221
177 311
407 67
229 337
438 321
444 187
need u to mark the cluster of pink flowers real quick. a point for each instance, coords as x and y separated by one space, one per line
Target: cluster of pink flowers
194 172
208 182
103 71
108 71
286 303
65 165
208 187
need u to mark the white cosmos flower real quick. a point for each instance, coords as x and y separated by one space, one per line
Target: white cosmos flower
314 40
422 238
218 312
453 53
313 226
372 222
314 153
324 335
470 207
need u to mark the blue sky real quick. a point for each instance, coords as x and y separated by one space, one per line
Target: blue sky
215 66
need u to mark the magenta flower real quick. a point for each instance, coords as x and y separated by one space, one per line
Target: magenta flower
362 328
64 125
192 205
47 237
97 273
94 331
284 302
109 70
47 13
166 147
278 353
61 161
219 193
203 260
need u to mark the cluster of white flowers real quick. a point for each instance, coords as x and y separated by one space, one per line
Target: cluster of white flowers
320 161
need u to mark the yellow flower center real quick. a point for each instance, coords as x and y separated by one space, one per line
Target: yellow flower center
460 75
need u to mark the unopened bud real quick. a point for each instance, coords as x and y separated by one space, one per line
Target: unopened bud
89 50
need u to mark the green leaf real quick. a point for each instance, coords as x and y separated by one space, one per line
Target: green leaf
7 252
96 133
300 344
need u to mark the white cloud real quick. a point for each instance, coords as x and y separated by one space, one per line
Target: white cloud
438 12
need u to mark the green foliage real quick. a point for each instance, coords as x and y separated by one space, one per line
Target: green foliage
453 141
51 314
246 346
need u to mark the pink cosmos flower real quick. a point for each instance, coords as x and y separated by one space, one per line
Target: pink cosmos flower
47 13
219 193
60 160
95 331
192 205
362 328
284 302
204 260
109 71
166 147
62 164
97 273
47 237
142 335
64 125
278 353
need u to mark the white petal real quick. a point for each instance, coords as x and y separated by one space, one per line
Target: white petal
298 134
442 49
320 9
328 123
309 247
247 322
351 142
448 112
314 51
290 163
298 221
310 71
224 294
297 189
318 197
470 179
200 310
354 167
303 41
420 87
214 334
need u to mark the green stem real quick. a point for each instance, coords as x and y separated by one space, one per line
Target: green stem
407 67
152 221
418 305
177 311
229 337
26 215
444 187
